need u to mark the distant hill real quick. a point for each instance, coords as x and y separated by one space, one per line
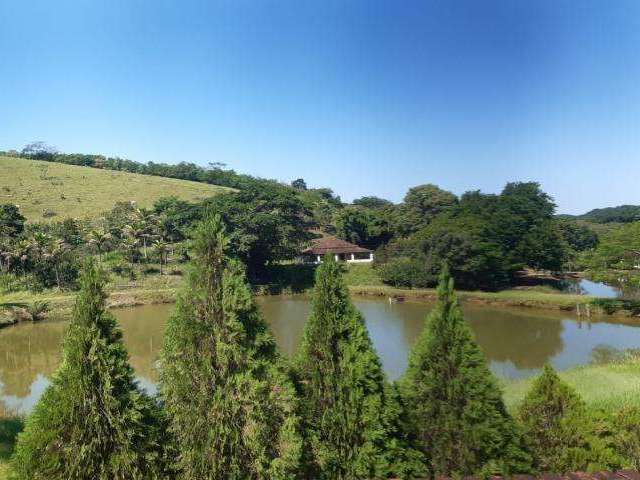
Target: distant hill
620 214
51 191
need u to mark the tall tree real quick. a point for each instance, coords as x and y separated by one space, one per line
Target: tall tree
454 404
345 401
92 421
230 404
421 205
266 223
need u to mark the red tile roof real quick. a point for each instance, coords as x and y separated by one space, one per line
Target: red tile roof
328 244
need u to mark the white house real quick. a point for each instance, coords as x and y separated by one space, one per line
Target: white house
341 249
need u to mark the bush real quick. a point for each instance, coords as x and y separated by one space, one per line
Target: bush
627 435
563 434
406 273
11 282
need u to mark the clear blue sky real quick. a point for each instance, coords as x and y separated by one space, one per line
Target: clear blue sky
364 97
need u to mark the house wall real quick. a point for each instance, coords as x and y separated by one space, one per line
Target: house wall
343 257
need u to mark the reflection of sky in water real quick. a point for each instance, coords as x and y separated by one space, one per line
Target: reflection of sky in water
598 289
21 405
517 342
147 385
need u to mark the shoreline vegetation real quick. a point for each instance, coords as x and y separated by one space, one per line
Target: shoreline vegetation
158 289
362 281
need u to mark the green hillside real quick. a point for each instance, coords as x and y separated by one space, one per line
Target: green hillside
52 191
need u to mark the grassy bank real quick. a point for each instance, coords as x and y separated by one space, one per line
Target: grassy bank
512 298
152 289
608 386
148 290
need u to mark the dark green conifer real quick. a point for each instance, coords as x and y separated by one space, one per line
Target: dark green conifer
348 414
455 407
229 402
559 428
92 423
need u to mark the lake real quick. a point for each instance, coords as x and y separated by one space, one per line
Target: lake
517 342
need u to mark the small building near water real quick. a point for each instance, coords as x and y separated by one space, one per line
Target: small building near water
341 249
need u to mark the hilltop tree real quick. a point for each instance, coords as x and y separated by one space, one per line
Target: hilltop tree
299 184
454 405
92 421
345 399
230 405
560 430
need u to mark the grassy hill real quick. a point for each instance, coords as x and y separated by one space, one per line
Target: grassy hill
52 191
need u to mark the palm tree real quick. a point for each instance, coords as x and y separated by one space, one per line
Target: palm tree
145 227
162 249
132 238
101 240
54 253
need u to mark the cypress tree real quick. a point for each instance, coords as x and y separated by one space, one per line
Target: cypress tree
558 427
230 403
349 417
455 407
92 422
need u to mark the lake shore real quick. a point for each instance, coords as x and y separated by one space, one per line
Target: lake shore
157 290
508 298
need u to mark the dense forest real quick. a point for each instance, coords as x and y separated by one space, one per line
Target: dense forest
486 239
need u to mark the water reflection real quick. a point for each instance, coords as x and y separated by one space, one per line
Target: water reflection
516 342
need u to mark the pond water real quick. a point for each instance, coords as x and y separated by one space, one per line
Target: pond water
517 342
595 289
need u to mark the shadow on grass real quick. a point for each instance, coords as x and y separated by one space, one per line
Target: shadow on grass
9 429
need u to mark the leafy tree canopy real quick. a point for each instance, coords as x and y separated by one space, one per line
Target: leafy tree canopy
266 224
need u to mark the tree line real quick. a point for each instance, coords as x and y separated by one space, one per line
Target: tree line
485 238
267 224
231 407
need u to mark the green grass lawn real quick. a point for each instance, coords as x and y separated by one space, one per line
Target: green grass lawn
361 274
608 386
84 192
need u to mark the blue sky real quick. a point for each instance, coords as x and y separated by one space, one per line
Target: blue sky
365 97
